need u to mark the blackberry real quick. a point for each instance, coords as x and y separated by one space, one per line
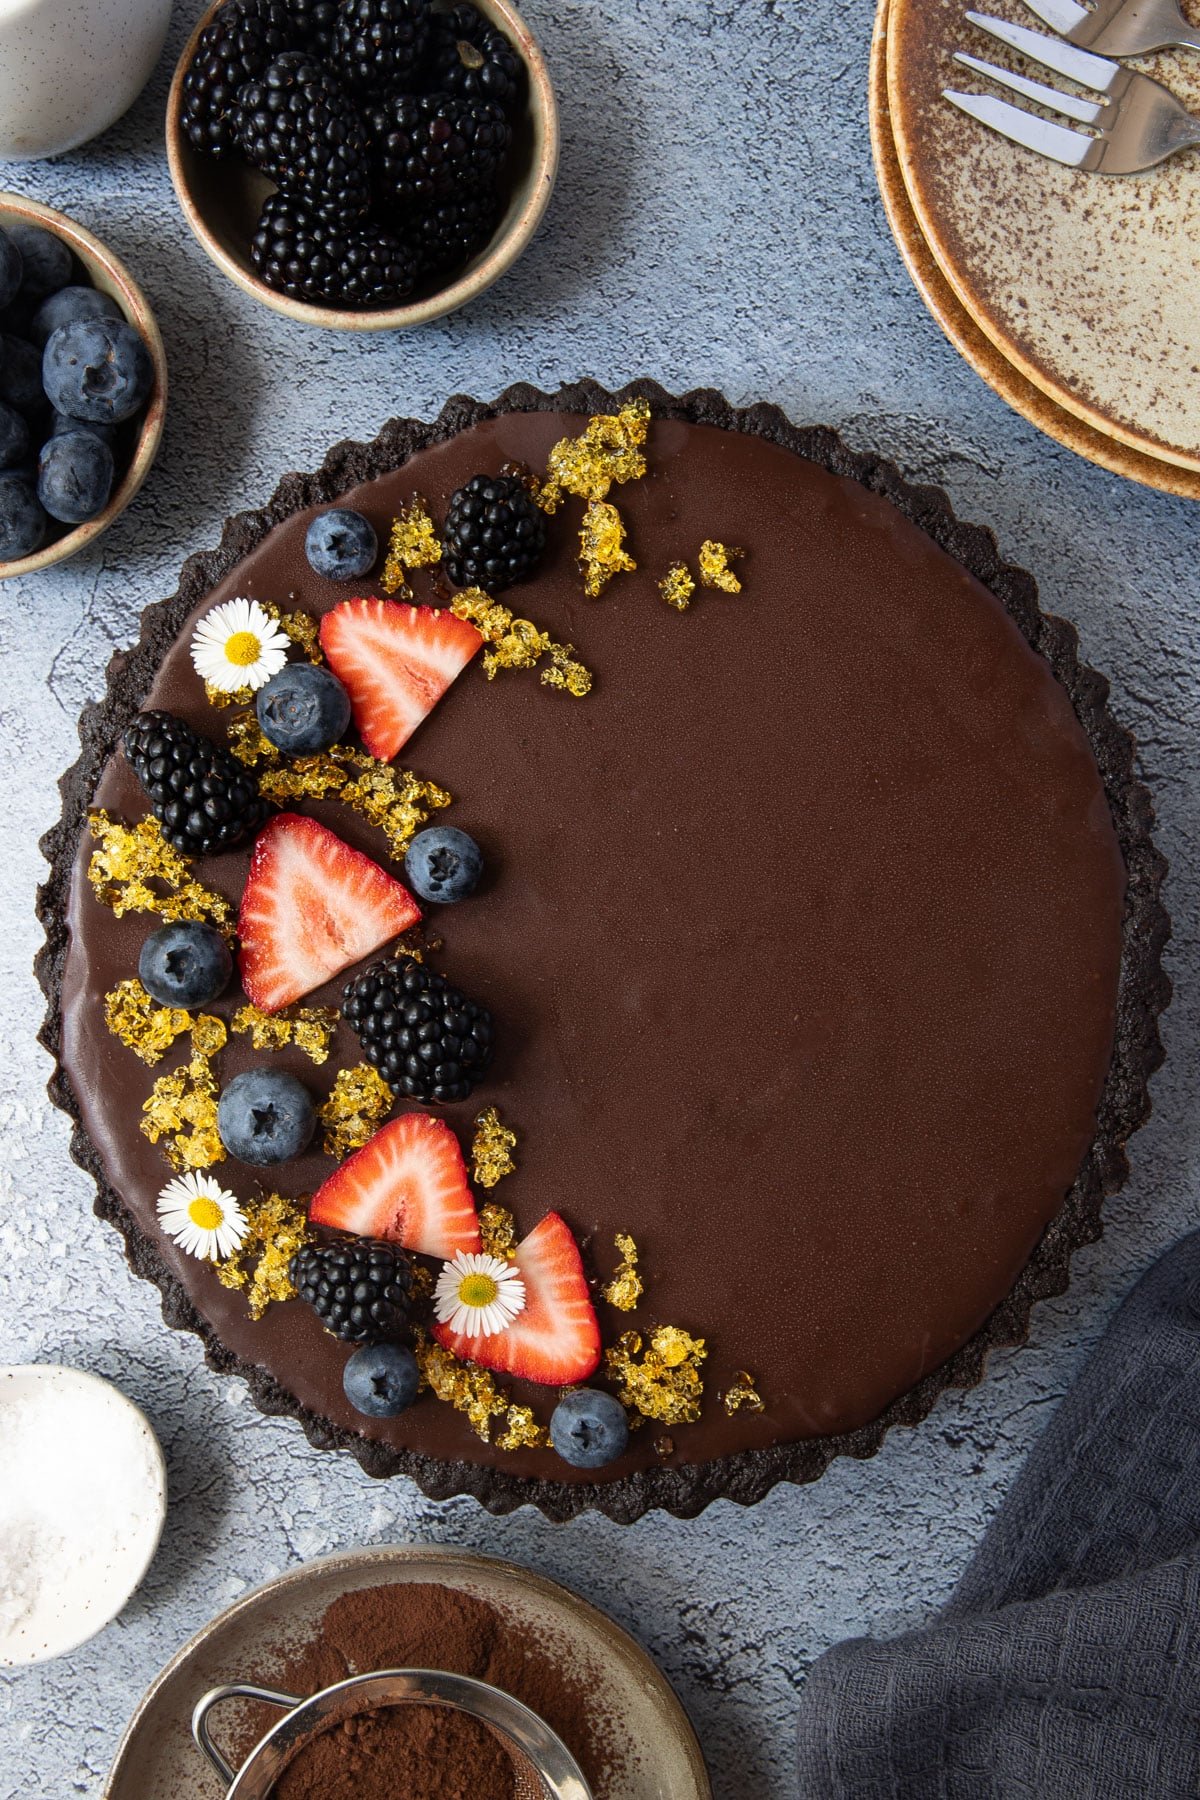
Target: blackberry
296 252
313 24
427 149
423 1036
237 46
494 534
448 235
204 800
299 126
379 45
358 1290
470 58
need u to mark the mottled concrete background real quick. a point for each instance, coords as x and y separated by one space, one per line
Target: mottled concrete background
716 221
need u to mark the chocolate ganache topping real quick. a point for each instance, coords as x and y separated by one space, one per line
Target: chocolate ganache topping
803 931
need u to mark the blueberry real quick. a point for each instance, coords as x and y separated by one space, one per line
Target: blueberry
443 864
75 477
21 375
16 445
265 1116
60 425
588 1428
97 369
381 1380
23 524
303 709
186 964
65 307
341 545
11 269
47 260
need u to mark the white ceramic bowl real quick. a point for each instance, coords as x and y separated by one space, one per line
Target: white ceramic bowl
69 68
221 200
81 1519
107 273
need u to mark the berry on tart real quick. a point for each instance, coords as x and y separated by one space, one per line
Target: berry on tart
555 1339
185 964
311 907
589 1428
303 709
341 545
443 865
494 533
359 1291
396 662
265 1117
381 1380
407 1186
423 1036
204 799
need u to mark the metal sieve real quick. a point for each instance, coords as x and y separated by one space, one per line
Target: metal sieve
543 1766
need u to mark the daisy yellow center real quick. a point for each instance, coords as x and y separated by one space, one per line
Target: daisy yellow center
205 1212
242 649
477 1290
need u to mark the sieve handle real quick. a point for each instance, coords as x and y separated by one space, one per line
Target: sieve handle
237 1690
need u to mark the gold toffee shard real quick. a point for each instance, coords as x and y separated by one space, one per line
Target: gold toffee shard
261 1265
357 1106
660 1380
602 552
608 450
413 544
492 1148
128 859
518 643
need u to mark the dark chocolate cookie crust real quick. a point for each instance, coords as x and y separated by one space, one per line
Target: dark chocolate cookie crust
1144 988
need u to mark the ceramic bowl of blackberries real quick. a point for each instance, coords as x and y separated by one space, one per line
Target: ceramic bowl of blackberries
83 387
362 164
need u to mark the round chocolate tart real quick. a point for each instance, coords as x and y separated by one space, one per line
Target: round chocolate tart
822 939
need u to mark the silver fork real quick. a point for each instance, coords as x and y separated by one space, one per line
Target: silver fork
1136 124
1119 27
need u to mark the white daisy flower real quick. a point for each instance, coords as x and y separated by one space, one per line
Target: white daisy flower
478 1295
238 645
204 1219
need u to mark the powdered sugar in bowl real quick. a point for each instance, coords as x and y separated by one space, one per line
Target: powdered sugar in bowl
82 1506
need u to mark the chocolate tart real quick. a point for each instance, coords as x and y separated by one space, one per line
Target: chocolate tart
823 939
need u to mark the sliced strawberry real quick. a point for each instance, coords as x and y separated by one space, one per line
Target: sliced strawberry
396 662
408 1185
556 1339
311 907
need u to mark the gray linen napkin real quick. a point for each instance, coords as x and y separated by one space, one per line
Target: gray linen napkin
1067 1662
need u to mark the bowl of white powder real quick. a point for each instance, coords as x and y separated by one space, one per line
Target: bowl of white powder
82 1504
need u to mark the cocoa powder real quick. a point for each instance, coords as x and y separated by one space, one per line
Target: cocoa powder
423 1752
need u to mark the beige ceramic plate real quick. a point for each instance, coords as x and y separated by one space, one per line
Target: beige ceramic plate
1085 284
105 272
965 334
656 1755
221 199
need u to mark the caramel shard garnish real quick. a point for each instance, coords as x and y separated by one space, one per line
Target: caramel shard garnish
413 544
677 587
714 560
522 1431
608 450
310 1028
275 1229
394 800
742 1395
182 1108
492 1148
357 1106
601 552
460 1385
625 1289
142 1026
223 697
518 644
665 1384
498 1229
127 858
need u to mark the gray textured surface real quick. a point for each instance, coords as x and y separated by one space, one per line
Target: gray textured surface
716 221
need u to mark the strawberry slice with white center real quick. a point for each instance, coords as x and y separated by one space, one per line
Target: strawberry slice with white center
395 662
311 907
408 1186
556 1339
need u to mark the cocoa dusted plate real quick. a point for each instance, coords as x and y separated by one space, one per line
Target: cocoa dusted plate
822 939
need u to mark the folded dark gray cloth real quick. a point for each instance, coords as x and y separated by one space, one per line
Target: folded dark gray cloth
1067 1662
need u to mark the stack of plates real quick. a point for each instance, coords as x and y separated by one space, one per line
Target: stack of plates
1073 295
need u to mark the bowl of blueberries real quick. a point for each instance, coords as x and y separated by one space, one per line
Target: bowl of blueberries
83 387
362 164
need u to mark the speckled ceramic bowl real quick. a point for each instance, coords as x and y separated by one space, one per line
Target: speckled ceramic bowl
221 200
107 273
